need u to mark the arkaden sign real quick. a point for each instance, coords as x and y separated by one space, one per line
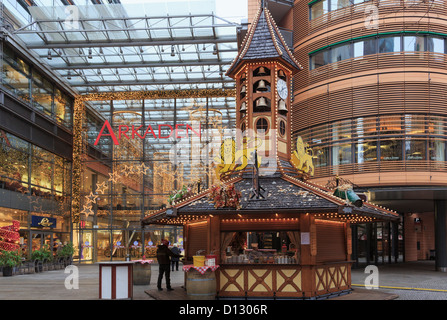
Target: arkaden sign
165 131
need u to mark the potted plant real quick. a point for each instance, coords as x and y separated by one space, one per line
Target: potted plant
9 260
68 251
41 256
66 254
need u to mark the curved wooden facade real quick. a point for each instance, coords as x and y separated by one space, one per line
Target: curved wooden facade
375 87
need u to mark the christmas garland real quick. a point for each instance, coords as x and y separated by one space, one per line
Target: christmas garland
9 237
225 196
180 195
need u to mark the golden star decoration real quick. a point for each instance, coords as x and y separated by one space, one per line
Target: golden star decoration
142 168
87 210
113 177
91 198
127 170
101 187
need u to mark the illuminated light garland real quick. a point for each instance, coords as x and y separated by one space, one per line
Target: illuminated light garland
9 237
79 116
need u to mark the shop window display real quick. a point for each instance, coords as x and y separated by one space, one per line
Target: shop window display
50 174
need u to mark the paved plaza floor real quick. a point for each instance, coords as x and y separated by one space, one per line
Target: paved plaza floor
405 281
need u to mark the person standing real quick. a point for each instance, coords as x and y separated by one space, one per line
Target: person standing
175 260
164 263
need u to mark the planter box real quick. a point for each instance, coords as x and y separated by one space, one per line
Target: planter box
7 271
141 274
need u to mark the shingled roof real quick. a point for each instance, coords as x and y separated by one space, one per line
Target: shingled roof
262 42
282 193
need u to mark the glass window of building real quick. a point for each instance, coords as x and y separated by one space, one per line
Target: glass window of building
389 44
435 44
340 53
365 47
319 8
339 4
437 126
415 150
391 150
383 44
414 124
341 130
436 149
341 154
365 126
15 75
62 107
414 43
319 59
365 151
42 94
391 125
321 156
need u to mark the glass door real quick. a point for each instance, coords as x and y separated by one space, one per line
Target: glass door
41 238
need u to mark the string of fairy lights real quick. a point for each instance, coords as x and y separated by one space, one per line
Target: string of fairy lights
80 143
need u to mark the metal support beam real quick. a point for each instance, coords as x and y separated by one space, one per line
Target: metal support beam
141 65
149 83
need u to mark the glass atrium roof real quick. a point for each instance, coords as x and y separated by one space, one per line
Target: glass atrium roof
147 46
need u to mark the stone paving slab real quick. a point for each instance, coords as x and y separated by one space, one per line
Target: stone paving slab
50 285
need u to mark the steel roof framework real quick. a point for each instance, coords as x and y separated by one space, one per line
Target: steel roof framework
133 53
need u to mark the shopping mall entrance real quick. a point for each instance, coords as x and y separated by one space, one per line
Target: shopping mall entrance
377 243
41 238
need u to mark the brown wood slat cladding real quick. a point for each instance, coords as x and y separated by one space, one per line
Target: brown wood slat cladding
383 98
384 166
197 238
374 64
331 241
347 23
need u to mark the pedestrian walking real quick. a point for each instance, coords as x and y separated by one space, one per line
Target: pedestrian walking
175 260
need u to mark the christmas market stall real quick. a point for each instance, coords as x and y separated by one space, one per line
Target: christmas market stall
267 230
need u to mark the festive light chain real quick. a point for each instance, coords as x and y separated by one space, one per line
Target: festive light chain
9 236
79 116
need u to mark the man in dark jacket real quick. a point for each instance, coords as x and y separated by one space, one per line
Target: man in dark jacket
164 262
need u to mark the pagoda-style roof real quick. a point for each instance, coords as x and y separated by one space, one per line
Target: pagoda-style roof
263 42
282 193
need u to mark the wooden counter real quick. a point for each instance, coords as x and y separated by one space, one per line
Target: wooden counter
282 280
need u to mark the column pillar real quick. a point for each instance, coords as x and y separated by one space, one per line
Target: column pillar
441 235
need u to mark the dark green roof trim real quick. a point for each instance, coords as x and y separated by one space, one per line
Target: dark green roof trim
379 34
312 2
